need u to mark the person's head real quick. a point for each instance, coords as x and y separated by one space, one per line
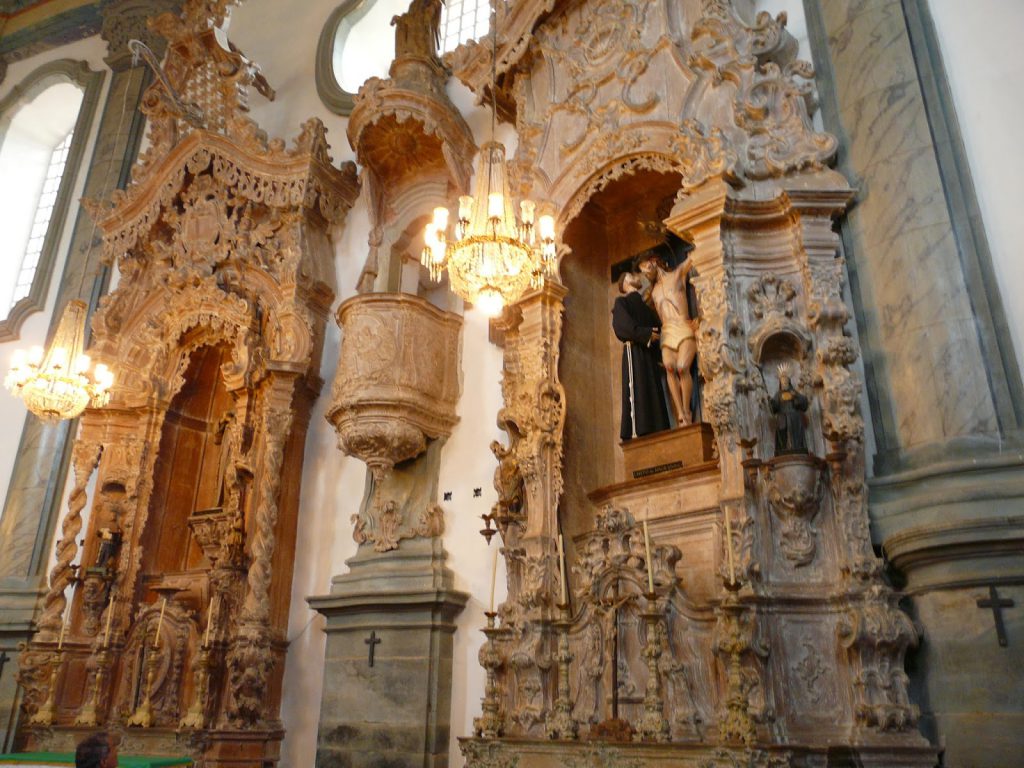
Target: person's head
648 265
97 751
786 372
629 282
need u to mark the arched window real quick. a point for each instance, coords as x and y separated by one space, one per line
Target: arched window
42 131
358 42
462 21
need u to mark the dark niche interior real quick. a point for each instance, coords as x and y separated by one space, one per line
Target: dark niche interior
618 222
188 475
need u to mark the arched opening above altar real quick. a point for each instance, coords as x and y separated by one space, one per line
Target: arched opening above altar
669 476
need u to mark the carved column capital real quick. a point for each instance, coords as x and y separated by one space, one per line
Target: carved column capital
125 20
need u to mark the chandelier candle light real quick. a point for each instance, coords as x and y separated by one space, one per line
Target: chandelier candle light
59 383
494 257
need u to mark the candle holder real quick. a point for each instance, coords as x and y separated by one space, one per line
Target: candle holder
195 718
490 724
737 725
143 715
561 724
46 712
653 726
89 716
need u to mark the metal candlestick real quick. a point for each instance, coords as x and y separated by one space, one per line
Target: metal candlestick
143 715
195 718
653 726
737 725
46 712
490 724
561 724
89 716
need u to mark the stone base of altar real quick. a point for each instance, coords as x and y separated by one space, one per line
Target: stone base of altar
669 450
490 753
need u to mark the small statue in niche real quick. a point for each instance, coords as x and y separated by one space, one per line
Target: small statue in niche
789 407
110 544
638 327
109 513
678 339
222 437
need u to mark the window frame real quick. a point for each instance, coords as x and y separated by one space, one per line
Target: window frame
339 23
90 81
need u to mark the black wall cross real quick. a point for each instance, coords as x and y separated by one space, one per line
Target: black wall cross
996 604
372 641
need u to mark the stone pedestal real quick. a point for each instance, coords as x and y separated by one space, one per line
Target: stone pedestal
664 451
397 609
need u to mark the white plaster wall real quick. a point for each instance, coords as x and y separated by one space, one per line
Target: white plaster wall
332 484
984 61
33 331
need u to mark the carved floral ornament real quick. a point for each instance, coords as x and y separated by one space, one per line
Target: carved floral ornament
722 98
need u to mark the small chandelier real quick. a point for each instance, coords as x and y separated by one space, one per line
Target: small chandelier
57 383
494 257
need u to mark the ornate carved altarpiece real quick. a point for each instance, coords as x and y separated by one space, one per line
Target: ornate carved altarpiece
770 636
175 634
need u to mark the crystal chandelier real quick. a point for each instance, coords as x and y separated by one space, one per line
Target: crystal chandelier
57 383
494 257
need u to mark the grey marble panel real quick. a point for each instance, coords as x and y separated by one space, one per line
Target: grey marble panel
898 193
914 281
869 45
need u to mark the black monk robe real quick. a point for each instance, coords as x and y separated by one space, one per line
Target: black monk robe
633 322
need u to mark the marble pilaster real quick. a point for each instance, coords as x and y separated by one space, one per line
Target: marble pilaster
943 382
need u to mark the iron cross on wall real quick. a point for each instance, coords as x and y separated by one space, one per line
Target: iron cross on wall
997 604
373 641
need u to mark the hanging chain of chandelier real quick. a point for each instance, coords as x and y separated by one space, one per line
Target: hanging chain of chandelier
494 257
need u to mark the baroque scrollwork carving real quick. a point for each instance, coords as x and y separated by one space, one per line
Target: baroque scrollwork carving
878 633
222 244
794 493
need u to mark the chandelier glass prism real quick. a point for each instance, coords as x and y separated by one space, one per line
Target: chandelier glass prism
494 256
59 383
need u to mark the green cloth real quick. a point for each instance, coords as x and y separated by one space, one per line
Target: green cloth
65 758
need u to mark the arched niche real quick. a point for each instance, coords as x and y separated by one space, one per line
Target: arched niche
616 223
189 472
